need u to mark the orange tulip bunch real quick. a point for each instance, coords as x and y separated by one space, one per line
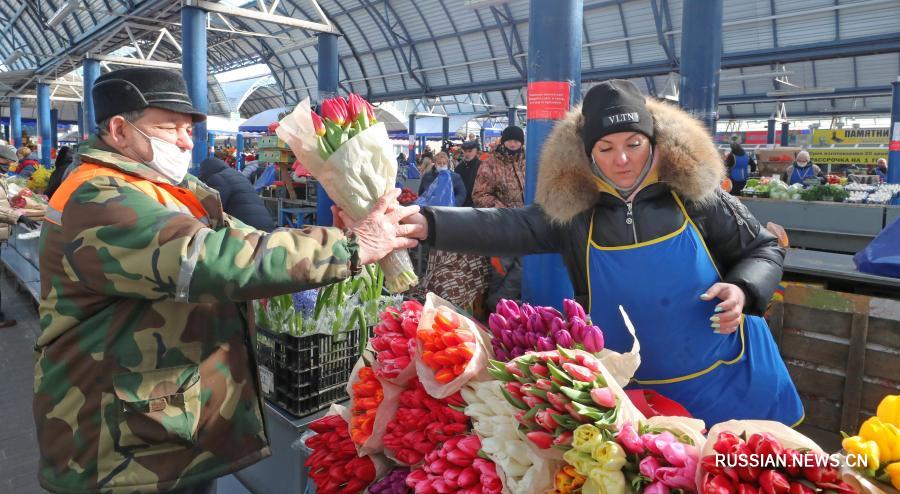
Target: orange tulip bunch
447 347
367 396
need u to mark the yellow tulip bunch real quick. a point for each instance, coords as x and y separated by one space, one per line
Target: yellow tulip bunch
877 446
599 459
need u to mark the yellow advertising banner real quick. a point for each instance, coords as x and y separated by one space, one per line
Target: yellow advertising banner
827 137
848 156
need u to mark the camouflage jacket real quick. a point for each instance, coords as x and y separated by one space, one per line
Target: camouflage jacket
500 182
145 378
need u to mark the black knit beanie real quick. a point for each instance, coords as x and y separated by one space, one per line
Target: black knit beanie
512 133
614 106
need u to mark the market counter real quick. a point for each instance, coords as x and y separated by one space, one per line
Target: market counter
831 226
284 470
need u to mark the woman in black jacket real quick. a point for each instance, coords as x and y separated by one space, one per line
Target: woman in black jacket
64 158
629 193
239 199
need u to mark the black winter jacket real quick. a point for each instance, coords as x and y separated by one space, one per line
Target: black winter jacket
239 199
568 196
468 170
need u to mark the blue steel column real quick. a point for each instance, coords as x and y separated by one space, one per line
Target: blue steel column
785 131
329 73
15 121
412 138
555 57
481 139
445 128
193 66
79 117
91 74
54 128
239 144
701 59
770 137
43 106
893 173
511 116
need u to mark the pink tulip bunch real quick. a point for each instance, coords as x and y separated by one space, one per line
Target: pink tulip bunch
456 467
659 462
340 121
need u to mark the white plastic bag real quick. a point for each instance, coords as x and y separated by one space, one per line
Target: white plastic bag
383 415
622 366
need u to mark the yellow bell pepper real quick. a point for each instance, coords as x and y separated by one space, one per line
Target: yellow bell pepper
893 471
867 452
886 435
889 410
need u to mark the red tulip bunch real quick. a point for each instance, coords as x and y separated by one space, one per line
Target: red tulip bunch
762 465
394 340
334 465
456 467
422 422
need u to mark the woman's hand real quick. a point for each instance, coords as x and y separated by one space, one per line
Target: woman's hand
727 318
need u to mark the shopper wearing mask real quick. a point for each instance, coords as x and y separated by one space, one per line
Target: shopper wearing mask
468 169
501 184
629 194
442 164
145 376
802 170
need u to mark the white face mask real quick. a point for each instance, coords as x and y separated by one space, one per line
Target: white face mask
802 164
168 159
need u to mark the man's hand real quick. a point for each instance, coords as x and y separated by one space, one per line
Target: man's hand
381 231
28 222
727 318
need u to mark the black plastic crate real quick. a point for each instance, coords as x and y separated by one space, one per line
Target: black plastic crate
311 371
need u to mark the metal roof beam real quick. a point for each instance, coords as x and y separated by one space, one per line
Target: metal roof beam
261 16
136 61
843 93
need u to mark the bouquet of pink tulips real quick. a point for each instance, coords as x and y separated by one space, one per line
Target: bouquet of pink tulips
349 153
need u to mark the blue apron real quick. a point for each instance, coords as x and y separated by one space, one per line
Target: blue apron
741 169
800 174
659 283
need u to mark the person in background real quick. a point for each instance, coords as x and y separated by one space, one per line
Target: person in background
468 169
881 169
250 170
740 165
442 163
64 159
239 198
500 183
8 215
425 166
27 165
802 170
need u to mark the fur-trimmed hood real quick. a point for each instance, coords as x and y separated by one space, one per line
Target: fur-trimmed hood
688 162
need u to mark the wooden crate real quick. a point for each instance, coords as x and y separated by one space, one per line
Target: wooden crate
842 351
271 142
276 156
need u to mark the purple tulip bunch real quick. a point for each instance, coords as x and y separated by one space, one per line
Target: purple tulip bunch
392 483
520 329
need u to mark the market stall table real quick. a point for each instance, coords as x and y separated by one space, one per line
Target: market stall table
836 269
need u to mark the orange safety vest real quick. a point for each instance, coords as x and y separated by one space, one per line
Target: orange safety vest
162 192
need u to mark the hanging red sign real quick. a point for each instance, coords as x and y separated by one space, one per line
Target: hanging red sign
548 100
894 146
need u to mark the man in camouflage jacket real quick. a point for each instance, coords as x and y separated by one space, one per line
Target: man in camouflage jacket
145 379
